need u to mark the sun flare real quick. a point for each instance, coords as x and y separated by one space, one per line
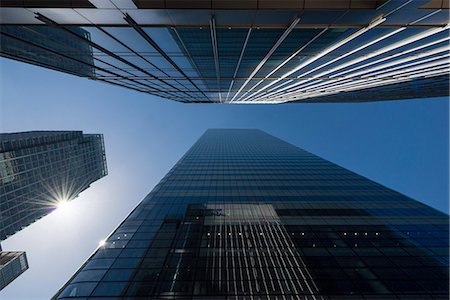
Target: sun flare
62 206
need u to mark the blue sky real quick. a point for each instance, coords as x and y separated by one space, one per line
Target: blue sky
401 144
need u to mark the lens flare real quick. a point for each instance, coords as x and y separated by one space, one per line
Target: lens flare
62 204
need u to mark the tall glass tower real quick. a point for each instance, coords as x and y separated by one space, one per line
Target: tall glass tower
39 170
244 215
12 264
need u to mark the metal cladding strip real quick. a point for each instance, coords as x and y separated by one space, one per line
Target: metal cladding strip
398 8
381 51
212 28
244 46
348 86
285 62
271 51
351 85
339 58
342 86
393 56
398 61
139 30
404 66
345 55
428 72
373 24
409 40
316 83
381 82
425 17
281 99
435 51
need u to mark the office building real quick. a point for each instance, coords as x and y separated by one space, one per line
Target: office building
249 51
12 264
244 215
39 170
42 44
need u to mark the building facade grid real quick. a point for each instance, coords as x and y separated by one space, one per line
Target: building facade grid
244 215
263 52
40 169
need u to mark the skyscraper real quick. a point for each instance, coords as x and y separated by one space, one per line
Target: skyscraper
12 264
244 215
42 44
249 51
38 171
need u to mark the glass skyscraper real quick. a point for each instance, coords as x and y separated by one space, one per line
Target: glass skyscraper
39 170
247 51
12 264
42 44
244 215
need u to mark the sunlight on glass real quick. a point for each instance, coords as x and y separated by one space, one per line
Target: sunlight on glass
102 243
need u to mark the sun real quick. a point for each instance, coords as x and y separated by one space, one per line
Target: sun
62 205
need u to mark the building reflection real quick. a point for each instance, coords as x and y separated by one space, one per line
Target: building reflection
49 47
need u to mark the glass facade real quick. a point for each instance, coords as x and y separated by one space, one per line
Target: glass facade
252 51
41 45
38 169
12 264
244 215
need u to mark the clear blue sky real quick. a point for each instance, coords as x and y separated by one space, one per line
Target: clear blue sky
401 144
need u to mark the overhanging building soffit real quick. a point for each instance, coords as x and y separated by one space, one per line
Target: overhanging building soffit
84 39
238 51
188 13
219 4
